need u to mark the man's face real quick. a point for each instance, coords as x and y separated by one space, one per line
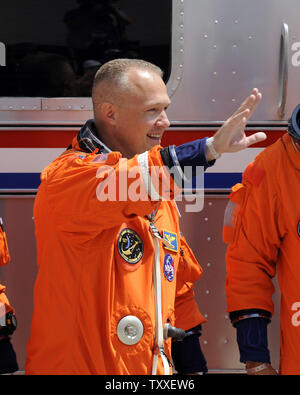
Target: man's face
140 114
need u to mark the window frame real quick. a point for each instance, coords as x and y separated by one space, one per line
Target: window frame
76 110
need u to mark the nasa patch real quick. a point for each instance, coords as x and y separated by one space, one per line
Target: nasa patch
130 246
298 228
169 268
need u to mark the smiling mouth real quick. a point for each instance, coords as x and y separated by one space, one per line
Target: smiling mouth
156 136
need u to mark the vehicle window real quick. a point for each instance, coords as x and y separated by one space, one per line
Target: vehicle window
52 48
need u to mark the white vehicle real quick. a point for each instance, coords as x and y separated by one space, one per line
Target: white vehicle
214 52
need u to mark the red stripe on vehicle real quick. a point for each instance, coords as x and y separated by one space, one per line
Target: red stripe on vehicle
61 138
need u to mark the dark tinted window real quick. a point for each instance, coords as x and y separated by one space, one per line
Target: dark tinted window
54 47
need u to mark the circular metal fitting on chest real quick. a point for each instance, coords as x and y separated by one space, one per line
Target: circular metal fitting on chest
130 330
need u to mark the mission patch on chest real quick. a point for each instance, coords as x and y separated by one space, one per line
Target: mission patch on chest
130 246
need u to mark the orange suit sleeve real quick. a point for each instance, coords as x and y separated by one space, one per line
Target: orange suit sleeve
85 189
187 314
4 252
5 306
252 232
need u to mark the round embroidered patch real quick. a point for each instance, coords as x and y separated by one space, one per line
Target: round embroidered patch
298 228
130 246
169 267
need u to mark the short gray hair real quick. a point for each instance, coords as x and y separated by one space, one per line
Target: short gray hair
114 70
114 79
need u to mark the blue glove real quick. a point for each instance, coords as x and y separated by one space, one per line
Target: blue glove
189 157
252 339
188 356
8 358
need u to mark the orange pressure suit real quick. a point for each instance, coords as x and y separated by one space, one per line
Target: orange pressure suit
98 269
262 229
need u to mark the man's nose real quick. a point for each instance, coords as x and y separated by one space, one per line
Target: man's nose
163 120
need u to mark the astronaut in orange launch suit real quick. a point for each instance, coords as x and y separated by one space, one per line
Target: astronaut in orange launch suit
115 274
262 229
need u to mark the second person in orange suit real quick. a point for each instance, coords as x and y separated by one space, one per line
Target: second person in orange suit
262 229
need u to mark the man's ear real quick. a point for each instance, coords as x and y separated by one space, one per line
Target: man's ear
108 113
